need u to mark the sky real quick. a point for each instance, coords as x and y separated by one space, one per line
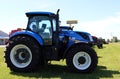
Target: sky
101 18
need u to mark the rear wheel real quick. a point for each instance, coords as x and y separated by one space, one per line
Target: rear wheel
82 58
22 54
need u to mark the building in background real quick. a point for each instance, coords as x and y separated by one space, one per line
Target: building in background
3 38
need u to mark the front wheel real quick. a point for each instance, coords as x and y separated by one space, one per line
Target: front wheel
82 58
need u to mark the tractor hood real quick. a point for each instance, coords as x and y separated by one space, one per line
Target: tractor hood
85 35
73 36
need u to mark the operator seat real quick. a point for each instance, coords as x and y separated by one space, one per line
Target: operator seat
43 33
43 27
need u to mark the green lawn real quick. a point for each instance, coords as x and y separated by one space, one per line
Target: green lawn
108 67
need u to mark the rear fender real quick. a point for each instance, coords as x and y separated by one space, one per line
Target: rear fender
30 34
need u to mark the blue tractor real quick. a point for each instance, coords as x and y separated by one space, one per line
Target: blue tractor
42 41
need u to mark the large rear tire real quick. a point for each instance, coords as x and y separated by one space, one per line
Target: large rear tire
81 58
22 54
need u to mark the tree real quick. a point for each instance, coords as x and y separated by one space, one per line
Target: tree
114 39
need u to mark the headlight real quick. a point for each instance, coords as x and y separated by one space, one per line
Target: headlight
90 37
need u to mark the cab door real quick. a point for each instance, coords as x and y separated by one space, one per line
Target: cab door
45 31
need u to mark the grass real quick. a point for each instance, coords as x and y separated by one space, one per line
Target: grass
108 67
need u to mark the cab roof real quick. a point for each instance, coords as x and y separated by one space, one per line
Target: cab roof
28 14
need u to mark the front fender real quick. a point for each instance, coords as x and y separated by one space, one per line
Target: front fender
73 45
29 33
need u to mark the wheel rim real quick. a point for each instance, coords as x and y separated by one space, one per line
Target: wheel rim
20 56
81 60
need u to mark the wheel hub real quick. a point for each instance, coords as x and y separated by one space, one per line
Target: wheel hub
22 55
81 60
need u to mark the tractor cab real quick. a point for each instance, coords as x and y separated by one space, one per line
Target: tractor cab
44 24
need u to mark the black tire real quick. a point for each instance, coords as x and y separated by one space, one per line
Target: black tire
22 54
81 58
